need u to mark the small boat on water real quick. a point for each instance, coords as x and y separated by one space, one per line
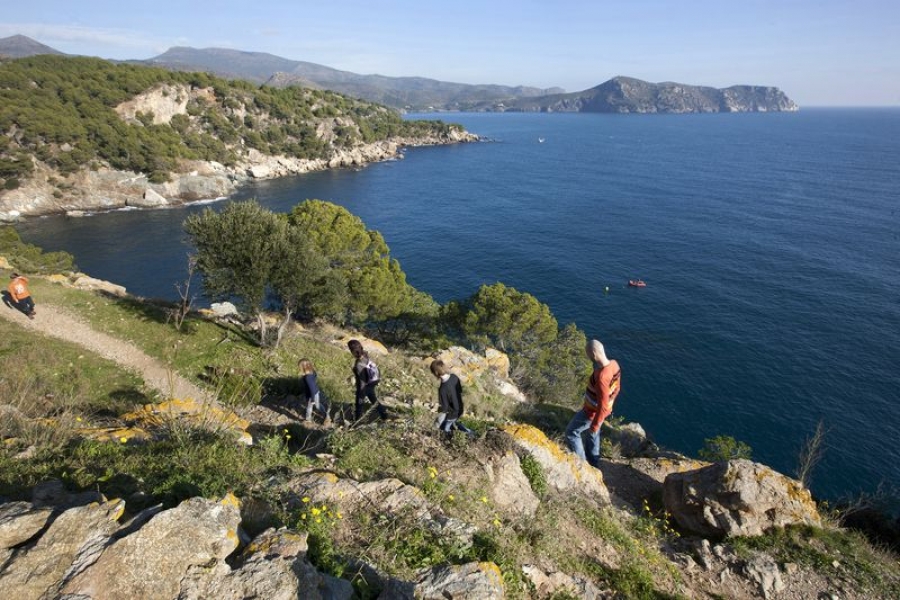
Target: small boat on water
636 283
540 140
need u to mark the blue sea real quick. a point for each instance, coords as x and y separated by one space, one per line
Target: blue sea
769 244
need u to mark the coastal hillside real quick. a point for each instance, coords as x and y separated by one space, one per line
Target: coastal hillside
110 486
87 134
151 450
629 95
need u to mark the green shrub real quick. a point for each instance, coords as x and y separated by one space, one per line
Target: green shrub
724 447
535 474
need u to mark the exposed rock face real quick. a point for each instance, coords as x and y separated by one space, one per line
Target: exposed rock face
39 570
151 562
564 471
468 366
737 497
85 553
162 103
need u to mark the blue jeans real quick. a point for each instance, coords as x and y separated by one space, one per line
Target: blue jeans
448 425
317 403
580 423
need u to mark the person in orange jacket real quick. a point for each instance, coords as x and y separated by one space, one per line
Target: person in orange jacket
19 295
599 397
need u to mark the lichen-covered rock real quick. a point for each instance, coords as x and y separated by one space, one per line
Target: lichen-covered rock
38 571
20 521
468 366
453 582
564 471
203 414
190 540
737 497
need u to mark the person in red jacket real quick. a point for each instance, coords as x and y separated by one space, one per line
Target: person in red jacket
19 295
599 397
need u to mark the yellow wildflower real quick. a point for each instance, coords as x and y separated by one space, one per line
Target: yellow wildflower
305 499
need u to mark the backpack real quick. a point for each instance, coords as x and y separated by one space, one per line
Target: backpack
373 375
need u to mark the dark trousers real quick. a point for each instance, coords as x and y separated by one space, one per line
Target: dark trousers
25 305
368 392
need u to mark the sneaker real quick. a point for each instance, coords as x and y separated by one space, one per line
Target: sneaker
31 315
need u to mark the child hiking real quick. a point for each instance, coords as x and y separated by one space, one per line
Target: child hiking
314 399
366 376
450 403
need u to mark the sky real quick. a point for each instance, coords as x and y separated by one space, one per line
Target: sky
820 53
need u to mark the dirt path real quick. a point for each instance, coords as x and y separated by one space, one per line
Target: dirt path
55 321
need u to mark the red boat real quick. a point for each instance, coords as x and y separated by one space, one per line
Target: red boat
636 283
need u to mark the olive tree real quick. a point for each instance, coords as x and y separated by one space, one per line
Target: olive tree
238 251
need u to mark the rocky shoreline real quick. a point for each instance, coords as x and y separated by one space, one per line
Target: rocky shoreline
48 192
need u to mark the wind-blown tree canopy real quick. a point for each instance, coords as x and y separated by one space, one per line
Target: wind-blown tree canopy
507 318
238 250
361 282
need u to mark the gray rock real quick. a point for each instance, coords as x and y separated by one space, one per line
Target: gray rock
473 580
273 567
763 570
223 309
188 542
737 497
509 488
39 570
20 521
150 199
631 440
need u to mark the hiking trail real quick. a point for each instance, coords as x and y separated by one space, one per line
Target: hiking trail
55 321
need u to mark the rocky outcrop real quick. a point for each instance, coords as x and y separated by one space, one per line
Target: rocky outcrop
737 498
564 471
86 553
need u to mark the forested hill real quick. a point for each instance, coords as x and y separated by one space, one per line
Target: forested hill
68 113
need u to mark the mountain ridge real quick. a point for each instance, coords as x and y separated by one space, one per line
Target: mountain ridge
620 94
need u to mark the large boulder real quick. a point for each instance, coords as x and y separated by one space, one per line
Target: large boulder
185 543
564 471
20 521
36 572
737 498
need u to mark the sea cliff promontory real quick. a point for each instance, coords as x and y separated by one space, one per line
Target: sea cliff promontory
630 95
